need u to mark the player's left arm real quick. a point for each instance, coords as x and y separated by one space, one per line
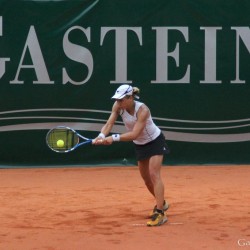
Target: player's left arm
142 115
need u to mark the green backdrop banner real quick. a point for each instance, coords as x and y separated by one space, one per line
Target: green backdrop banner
61 61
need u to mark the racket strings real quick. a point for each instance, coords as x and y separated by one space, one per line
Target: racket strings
69 138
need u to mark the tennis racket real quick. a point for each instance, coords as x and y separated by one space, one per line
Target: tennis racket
63 139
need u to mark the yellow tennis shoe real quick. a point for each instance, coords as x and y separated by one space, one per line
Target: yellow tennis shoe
157 219
165 208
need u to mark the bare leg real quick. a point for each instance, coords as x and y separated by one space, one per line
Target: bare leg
155 163
144 171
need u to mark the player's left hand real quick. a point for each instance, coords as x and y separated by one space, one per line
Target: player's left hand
97 141
108 140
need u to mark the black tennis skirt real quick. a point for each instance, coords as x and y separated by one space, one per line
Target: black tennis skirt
156 147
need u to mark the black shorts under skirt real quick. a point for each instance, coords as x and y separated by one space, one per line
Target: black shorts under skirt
156 147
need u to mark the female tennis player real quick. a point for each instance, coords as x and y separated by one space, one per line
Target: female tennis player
150 145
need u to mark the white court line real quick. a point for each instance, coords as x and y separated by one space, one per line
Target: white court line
139 225
167 223
175 223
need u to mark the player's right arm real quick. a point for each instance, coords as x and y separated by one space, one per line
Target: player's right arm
110 122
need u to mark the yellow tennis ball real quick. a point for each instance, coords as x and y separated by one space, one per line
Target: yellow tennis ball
60 143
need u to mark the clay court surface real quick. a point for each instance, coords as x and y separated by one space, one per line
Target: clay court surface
106 208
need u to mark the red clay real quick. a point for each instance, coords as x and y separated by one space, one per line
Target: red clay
106 208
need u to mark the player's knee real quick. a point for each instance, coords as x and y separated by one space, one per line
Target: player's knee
154 176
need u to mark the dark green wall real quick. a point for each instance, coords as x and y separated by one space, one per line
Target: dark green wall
61 61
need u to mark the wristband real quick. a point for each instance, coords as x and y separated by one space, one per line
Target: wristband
116 137
101 135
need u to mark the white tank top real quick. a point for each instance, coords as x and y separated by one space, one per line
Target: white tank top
149 133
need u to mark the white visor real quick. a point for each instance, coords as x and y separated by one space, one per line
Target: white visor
122 91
